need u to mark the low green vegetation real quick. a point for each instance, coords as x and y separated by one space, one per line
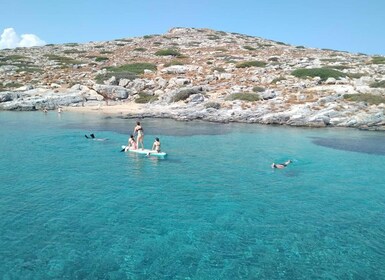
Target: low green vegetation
149 36
135 68
367 98
168 52
244 96
300 47
254 63
214 105
329 60
173 62
71 51
249 48
329 50
11 85
145 98
380 84
282 43
71 44
276 80
29 69
323 73
194 44
258 89
378 60
222 33
105 52
15 57
126 71
140 49
124 40
219 69
63 59
338 67
213 37
101 58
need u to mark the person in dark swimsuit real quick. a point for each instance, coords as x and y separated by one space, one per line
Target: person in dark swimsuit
138 130
281 165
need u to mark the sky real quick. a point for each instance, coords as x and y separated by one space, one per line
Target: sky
346 25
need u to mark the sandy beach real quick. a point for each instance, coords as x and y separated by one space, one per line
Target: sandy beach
118 109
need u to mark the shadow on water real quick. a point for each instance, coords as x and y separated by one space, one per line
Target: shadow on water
374 145
292 173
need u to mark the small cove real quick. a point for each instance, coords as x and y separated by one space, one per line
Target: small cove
214 209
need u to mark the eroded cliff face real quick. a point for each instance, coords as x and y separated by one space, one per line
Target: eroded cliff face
192 73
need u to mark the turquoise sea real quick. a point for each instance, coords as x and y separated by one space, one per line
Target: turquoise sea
73 208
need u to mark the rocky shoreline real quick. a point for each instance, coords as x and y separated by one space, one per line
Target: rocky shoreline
215 76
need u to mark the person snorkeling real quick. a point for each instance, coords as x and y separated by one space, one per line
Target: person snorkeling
281 165
92 137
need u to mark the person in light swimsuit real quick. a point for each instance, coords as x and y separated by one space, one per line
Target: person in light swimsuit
140 135
281 165
156 145
131 144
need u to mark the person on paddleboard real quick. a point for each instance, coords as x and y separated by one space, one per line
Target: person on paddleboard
156 145
131 144
138 130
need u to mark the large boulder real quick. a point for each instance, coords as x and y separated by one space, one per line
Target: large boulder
112 92
8 96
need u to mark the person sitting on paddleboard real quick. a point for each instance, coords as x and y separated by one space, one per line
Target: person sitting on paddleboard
139 130
281 165
131 143
156 145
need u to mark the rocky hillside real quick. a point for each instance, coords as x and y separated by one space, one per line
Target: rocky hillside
191 73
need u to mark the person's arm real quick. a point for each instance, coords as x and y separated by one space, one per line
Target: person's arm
153 146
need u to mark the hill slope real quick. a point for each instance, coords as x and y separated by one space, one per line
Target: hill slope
192 73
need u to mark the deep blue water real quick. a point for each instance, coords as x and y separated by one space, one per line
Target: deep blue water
73 208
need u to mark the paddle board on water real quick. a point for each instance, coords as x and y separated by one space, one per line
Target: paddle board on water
146 152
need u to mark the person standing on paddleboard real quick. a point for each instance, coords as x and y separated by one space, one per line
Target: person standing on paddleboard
139 131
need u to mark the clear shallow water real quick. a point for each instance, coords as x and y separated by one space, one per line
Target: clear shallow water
73 208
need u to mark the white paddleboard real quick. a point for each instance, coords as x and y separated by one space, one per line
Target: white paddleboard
146 152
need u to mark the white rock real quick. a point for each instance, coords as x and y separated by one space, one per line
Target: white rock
330 81
54 85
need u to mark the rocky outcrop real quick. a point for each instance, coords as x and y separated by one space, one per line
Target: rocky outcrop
112 92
